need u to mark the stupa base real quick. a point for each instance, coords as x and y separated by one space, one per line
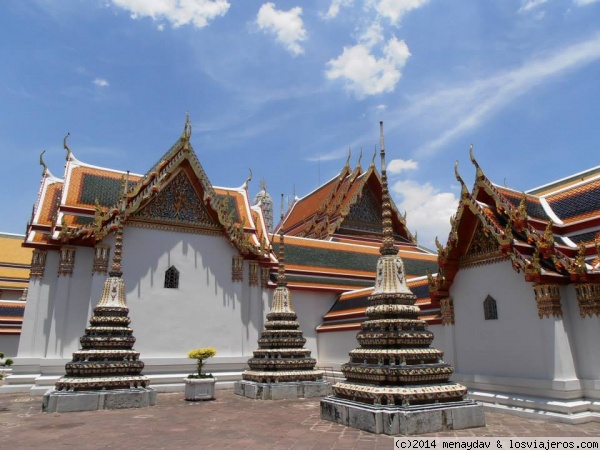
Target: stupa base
403 420
72 401
279 391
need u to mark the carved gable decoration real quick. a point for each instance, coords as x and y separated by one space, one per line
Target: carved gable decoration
483 248
178 204
365 214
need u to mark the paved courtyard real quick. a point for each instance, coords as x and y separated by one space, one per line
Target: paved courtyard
227 422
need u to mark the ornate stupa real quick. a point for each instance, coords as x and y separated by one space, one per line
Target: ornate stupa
395 383
263 199
281 366
106 373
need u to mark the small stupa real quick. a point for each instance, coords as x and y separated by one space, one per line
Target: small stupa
395 383
106 373
281 366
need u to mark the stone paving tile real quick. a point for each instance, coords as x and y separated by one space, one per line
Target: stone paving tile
227 422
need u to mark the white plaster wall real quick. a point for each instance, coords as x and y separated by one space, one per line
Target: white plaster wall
518 344
37 320
311 306
585 339
207 309
335 346
9 345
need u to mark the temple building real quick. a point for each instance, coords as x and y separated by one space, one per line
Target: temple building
519 291
201 265
15 263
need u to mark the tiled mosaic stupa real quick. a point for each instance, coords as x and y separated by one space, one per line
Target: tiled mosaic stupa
395 383
106 373
281 366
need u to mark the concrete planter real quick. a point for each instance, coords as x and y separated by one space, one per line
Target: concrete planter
199 389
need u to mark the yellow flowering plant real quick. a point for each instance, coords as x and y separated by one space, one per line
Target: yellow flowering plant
201 354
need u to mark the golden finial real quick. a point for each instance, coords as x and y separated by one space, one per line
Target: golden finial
359 157
374 155
187 128
463 187
349 155
248 180
66 147
474 161
43 164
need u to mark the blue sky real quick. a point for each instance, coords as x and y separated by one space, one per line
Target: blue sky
285 88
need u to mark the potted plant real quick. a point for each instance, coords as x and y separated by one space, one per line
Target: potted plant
200 386
3 364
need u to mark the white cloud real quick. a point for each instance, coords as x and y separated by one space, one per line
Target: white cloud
463 107
585 2
334 8
528 5
177 12
394 10
364 74
100 82
428 210
287 26
400 165
372 35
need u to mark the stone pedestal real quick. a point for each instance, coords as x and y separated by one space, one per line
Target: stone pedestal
197 389
403 420
278 391
72 401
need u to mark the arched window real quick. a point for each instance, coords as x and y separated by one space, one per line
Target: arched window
172 278
490 311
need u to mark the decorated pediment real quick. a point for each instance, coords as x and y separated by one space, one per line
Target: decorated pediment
483 247
177 203
365 214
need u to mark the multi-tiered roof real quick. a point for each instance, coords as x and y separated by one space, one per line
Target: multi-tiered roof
550 233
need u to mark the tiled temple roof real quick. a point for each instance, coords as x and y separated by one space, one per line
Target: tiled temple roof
81 209
547 233
348 312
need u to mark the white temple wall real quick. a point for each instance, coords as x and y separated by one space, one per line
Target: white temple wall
38 317
518 344
335 346
585 334
9 345
207 309
310 307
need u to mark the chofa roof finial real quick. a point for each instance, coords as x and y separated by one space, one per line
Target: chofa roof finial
66 146
187 128
43 164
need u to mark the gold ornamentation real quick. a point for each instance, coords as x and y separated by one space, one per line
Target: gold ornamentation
264 276
38 263
66 261
447 311
547 298
588 298
237 268
101 257
253 273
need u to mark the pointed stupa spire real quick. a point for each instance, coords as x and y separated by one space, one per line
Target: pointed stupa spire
388 246
281 364
107 360
393 369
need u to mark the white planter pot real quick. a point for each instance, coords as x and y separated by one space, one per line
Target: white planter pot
199 388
